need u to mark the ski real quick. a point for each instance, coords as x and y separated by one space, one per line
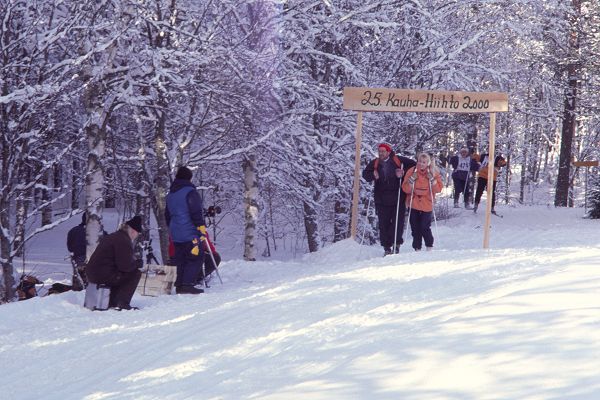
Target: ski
493 213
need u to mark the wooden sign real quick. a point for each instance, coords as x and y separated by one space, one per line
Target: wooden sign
408 100
585 163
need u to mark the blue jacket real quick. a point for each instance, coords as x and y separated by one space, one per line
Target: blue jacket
184 212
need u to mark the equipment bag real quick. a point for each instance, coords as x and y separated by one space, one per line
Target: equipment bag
97 296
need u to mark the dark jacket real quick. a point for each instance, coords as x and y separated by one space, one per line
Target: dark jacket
76 241
184 212
461 174
113 255
387 186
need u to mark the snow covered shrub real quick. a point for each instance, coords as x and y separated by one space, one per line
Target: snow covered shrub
594 198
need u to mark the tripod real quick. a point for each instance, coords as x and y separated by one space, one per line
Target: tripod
150 253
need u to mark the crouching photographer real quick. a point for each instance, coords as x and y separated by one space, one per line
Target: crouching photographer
113 264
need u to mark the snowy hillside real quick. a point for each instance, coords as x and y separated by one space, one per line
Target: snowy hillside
519 321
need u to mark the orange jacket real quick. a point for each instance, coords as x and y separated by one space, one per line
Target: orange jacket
483 159
421 199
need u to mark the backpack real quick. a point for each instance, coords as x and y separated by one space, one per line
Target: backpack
394 158
26 287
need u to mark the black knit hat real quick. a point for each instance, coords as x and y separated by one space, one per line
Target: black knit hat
184 173
135 223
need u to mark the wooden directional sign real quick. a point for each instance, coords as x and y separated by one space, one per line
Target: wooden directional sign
408 100
585 163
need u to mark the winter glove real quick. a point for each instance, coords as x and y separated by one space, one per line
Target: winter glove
196 241
196 248
413 178
430 176
399 172
376 174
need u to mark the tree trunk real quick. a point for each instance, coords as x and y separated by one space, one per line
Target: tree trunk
524 173
46 199
57 177
98 108
75 184
568 132
20 218
561 198
7 288
341 219
250 206
7 291
272 219
470 126
340 223
311 226
24 196
161 183
7 285
142 208
94 186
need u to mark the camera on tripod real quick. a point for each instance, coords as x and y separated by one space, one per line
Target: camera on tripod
212 211
147 246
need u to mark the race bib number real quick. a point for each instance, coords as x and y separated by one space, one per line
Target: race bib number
464 164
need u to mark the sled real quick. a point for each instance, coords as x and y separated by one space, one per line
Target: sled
157 280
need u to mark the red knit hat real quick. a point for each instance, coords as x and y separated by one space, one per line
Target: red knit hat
386 146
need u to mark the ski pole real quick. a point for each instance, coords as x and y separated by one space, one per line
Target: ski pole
433 209
465 188
213 260
204 274
410 209
362 238
397 211
446 186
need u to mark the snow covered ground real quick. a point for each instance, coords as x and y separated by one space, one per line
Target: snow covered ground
518 321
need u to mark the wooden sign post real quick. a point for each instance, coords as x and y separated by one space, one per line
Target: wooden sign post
407 100
586 165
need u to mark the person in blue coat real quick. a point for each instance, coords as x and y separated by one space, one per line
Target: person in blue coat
185 217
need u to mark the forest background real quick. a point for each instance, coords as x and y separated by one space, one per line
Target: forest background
100 101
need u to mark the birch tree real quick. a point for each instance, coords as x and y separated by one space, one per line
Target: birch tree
33 83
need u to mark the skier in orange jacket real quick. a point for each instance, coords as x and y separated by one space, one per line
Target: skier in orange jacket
482 178
423 183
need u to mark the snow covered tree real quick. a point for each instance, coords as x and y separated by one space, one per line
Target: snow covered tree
579 65
573 69
33 82
248 94
594 198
